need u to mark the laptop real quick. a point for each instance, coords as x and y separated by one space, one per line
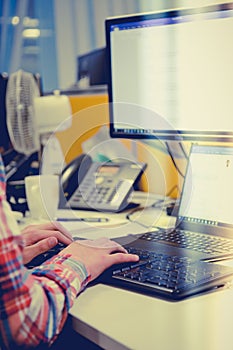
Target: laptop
203 234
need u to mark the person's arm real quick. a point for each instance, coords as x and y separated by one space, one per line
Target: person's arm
33 309
35 303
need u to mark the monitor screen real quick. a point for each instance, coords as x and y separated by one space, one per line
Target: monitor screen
92 65
171 75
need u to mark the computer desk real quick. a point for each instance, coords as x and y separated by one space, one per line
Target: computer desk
117 319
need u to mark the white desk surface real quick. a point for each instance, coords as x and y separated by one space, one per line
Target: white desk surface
117 319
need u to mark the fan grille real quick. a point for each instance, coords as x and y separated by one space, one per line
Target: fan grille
21 91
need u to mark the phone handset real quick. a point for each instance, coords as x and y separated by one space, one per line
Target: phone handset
119 200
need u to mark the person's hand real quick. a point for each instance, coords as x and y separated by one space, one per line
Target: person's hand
97 255
40 238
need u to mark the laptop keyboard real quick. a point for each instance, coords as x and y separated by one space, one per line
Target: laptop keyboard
41 258
173 276
191 240
157 273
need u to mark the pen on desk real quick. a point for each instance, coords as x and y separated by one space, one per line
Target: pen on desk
83 219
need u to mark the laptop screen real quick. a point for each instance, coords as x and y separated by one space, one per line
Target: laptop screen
208 187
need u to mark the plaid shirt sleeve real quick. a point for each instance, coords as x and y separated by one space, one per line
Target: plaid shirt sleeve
33 303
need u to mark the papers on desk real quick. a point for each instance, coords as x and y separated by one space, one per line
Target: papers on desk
152 217
91 224
110 232
90 227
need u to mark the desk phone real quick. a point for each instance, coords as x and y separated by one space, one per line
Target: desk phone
106 186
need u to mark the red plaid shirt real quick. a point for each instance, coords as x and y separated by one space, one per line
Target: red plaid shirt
34 303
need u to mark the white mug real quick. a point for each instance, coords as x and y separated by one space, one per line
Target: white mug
42 192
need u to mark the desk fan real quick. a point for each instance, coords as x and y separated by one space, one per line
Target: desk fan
21 91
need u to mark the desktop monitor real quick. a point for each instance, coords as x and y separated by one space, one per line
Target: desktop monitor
92 65
177 65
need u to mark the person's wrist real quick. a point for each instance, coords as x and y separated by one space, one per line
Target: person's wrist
78 267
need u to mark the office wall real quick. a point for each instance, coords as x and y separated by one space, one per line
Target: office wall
89 113
84 30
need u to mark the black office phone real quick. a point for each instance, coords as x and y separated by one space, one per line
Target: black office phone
106 186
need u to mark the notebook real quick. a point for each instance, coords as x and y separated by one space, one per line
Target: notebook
203 233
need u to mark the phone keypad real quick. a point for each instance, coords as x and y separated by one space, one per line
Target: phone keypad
87 194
